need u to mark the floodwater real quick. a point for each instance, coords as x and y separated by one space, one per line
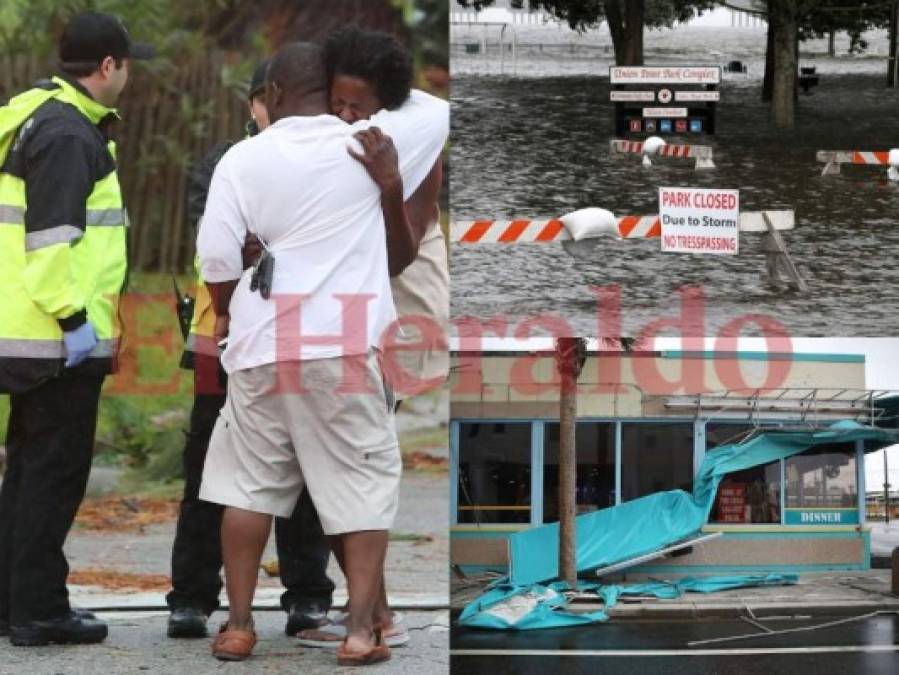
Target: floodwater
538 147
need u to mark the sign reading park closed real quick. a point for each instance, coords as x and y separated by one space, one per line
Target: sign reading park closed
698 220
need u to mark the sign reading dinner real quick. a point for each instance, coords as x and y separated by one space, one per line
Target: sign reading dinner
700 220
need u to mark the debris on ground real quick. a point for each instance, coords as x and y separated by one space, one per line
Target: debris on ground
124 514
422 461
114 580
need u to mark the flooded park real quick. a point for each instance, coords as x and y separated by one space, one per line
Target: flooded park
536 145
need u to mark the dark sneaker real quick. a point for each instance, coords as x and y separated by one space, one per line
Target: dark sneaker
73 628
83 613
304 616
187 622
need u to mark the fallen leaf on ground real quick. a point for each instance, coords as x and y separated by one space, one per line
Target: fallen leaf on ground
120 514
411 536
114 580
422 461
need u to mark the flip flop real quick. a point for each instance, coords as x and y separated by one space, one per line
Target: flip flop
378 653
332 635
233 644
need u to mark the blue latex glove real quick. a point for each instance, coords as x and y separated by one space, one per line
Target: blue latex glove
79 343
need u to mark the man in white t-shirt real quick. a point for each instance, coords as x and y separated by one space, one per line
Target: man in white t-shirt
306 400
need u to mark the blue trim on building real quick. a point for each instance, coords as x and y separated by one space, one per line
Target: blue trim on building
617 463
860 480
538 435
454 472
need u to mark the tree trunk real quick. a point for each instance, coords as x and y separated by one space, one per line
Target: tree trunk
768 82
783 18
633 26
568 360
892 64
616 28
627 30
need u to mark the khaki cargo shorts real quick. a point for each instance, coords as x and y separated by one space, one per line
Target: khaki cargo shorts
325 424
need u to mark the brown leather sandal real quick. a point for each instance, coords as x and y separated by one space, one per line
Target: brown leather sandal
233 644
378 653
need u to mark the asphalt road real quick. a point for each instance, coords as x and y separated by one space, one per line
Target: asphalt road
870 647
137 645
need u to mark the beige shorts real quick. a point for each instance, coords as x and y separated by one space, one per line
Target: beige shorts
325 424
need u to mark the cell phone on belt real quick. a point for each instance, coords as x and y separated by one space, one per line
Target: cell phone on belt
263 271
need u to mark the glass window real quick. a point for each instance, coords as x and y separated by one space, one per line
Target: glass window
723 433
595 468
749 496
656 457
494 473
823 478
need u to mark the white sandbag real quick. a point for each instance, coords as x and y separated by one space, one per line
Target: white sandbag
652 145
589 223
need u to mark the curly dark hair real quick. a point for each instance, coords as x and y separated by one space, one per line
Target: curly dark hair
373 56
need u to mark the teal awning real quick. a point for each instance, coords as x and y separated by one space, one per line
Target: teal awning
647 524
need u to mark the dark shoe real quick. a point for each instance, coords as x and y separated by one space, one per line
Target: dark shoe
73 628
83 613
187 622
305 616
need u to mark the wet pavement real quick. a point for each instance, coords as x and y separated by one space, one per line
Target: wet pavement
413 567
137 644
538 147
869 646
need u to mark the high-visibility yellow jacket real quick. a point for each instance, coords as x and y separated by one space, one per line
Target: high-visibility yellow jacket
63 231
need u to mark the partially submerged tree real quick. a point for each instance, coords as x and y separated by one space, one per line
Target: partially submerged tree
627 19
791 21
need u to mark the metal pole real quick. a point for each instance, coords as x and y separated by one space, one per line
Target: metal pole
569 353
886 489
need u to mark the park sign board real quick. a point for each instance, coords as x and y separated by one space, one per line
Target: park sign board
700 220
651 99
665 75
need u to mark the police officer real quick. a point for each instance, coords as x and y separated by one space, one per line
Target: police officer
196 554
63 245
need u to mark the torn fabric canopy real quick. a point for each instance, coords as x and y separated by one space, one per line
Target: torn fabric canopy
641 526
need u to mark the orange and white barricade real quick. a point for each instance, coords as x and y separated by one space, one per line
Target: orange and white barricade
589 246
547 230
833 159
703 154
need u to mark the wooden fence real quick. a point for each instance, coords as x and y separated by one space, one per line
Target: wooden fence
171 116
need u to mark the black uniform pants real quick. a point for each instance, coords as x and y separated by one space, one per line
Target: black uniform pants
49 446
197 555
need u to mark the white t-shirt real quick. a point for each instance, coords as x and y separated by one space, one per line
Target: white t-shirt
315 207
